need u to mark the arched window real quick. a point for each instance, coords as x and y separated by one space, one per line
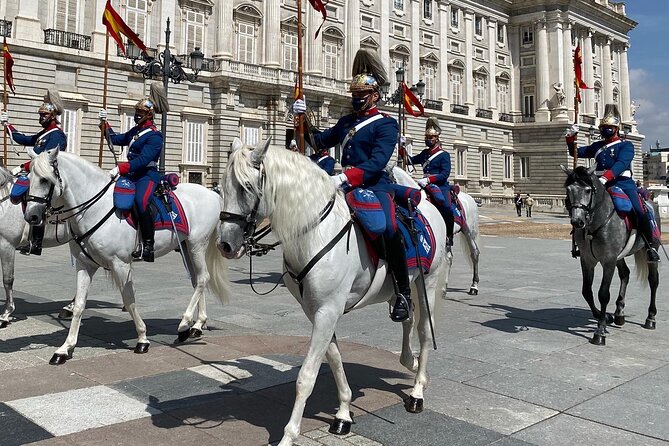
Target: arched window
597 99
481 88
247 23
428 67
333 40
503 81
399 59
289 44
456 69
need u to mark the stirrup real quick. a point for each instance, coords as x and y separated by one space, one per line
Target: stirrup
652 255
30 249
401 309
137 253
148 255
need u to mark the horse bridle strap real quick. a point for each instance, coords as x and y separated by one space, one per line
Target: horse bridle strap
78 239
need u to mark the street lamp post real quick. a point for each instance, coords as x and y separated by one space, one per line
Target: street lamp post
169 68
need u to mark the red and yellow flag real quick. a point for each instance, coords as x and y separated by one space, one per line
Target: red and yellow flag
410 100
116 26
9 65
319 5
578 73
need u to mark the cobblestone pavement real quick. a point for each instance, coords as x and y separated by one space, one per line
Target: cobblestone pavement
514 366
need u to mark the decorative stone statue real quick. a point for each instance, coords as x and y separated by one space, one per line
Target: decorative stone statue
634 107
559 93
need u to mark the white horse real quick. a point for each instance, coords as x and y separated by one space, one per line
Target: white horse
103 239
307 213
13 228
470 234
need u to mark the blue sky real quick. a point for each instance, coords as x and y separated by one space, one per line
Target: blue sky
649 68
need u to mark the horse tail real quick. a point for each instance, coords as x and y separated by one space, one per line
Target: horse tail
219 283
641 263
472 214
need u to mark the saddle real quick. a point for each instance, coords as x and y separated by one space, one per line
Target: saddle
451 203
623 206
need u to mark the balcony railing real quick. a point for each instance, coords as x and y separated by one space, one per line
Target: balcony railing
207 64
590 120
433 105
5 28
483 113
506 117
67 39
527 118
258 73
460 109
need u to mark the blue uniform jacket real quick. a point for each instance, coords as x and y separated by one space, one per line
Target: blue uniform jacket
47 139
144 153
438 169
613 160
327 163
368 151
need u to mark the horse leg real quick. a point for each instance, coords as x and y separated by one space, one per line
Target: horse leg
341 425
604 294
588 273
123 275
474 253
199 277
407 358
414 403
624 275
85 275
7 256
653 282
324 321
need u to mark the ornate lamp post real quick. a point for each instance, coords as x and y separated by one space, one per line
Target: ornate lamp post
169 68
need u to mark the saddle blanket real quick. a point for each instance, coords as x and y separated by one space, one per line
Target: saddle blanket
19 189
623 206
162 216
425 239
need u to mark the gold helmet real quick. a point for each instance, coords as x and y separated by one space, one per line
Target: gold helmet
145 107
368 72
52 105
432 127
155 103
611 116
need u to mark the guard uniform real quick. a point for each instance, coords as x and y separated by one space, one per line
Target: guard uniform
324 161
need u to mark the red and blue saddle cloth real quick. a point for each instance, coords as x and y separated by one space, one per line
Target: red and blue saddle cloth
623 206
19 189
368 212
124 198
436 196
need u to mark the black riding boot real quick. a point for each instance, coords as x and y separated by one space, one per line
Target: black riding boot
647 234
396 258
146 229
34 246
450 222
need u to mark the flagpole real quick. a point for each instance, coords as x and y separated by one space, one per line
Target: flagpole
576 95
5 100
104 97
300 117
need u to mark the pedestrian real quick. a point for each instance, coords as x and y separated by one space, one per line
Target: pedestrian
529 202
216 188
518 201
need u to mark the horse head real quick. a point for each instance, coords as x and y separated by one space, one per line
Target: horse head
44 179
5 177
243 197
583 194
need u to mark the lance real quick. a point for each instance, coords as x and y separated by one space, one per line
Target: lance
300 118
104 101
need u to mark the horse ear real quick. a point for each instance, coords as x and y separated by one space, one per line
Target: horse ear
260 151
565 169
236 144
53 154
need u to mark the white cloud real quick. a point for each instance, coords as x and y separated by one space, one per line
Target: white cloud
653 114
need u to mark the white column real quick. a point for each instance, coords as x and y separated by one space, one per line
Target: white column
541 51
272 32
514 48
607 77
100 31
444 23
384 36
568 60
168 9
588 74
468 78
414 63
623 74
225 31
492 67
313 60
352 35
27 22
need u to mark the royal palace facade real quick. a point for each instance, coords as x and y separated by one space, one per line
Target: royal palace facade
498 74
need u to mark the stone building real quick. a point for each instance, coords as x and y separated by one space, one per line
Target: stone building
491 71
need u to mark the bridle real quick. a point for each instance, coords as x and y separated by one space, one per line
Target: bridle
589 210
46 200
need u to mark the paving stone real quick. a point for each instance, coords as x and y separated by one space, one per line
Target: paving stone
26 382
16 429
493 353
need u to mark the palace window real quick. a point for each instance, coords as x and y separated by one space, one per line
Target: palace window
461 162
528 101
427 9
500 32
67 15
527 35
247 24
480 88
69 121
290 50
251 133
456 86
485 164
194 142
503 96
136 18
508 166
455 18
398 5
478 25
524 167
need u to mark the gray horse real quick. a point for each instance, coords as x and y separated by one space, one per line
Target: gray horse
602 237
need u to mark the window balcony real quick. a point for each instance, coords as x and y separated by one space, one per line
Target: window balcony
433 105
506 117
460 109
483 113
5 28
67 39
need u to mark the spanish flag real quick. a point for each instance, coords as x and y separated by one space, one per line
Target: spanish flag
578 73
116 26
410 100
9 65
319 5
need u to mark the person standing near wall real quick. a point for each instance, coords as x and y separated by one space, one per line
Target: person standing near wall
529 202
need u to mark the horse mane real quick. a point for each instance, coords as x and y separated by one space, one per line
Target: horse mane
296 189
5 180
41 165
580 175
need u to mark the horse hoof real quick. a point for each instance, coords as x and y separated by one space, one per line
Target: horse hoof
142 347
195 333
58 359
183 335
473 291
609 318
413 405
649 325
598 340
619 320
4 324
340 427
65 314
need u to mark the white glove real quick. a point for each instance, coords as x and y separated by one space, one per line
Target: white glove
571 131
102 114
422 182
299 107
4 118
339 180
114 172
17 170
603 180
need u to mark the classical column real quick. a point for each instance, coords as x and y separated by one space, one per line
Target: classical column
352 35
568 60
542 114
27 22
588 74
313 57
514 49
384 36
100 31
492 66
444 20
607 75
468 78
624 79
414 63
272 32
168 9
225 34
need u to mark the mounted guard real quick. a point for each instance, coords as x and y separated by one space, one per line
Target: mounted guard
614 168
324 160
50 137
367 138
145 144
